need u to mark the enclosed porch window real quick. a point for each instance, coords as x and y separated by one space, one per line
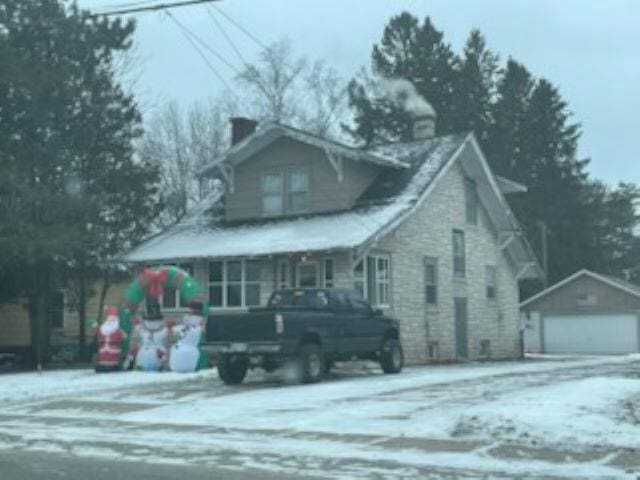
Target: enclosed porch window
234 283
372 279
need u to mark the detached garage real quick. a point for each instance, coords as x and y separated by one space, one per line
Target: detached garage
586 313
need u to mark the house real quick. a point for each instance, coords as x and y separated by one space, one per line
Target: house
421 229
587 313
15 324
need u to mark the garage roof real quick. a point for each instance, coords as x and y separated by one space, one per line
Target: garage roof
614 282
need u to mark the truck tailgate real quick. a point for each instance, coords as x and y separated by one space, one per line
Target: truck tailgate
254 326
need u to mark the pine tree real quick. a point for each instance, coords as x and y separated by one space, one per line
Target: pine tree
475 88
71 194
412 51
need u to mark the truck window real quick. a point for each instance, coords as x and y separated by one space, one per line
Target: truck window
340 301
299 299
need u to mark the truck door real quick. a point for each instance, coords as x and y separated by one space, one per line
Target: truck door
364 330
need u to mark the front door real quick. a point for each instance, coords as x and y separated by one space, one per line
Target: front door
307 275
462 342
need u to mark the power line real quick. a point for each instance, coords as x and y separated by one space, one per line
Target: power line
150 8
240 27
204 44
201 53
224 33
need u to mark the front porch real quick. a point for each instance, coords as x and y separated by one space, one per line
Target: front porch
238 283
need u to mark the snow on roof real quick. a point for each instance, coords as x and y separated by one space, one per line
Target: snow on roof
201 235
272 131
628 287
335 231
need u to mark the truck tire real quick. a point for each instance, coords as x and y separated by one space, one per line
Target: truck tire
311 363
232 368
391 356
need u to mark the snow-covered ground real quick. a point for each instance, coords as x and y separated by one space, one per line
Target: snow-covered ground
542 418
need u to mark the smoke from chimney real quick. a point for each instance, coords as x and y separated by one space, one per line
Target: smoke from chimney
404 94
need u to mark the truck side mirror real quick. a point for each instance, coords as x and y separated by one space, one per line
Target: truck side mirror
378 313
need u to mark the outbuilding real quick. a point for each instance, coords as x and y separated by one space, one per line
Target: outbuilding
586 313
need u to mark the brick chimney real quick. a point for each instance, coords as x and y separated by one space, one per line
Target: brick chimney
241 127
424 126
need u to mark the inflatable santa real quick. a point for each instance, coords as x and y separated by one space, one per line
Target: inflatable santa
152 336
110 337
185 354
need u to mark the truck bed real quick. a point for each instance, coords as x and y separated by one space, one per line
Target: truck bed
254 326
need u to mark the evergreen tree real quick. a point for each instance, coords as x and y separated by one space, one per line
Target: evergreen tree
475 88
71 194
413 51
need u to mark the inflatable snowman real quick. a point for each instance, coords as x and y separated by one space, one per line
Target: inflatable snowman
185 354
110 337
152 336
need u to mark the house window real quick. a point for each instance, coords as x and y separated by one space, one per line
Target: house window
284 274
431 280
216 283
298 190
372 279
252 270
471 201
171 296
307 275
328 273
491 279
272 194
234 283
56 310
459 265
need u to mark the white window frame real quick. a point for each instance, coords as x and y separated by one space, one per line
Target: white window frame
328 283
306 264
283 281
226 283
281 194
470 201
463 272
377 280
431 262
289 192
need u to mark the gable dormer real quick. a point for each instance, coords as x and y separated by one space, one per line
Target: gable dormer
279 171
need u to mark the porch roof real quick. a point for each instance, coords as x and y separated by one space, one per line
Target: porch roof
336 231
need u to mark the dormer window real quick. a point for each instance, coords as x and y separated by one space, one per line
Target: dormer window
298 190
272 194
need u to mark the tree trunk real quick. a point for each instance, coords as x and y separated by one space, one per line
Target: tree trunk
82 313
39 316
106 283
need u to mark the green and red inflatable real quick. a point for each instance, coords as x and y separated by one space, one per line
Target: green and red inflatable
151 283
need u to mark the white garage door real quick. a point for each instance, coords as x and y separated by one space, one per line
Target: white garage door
595 334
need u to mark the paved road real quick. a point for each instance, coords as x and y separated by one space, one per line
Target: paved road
29 465
108 422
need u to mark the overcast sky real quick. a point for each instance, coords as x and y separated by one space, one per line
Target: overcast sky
588 48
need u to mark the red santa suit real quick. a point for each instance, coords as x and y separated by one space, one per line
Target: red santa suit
110 337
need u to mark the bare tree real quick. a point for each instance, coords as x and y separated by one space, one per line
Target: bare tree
283 88
181 143
328 93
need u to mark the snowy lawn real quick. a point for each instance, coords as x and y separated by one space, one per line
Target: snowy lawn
572 418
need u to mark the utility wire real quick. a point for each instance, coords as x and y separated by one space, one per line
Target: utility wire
204 44
150 8
201 53
224 33
241 28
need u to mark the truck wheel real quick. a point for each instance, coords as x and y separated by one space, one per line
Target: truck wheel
391 356
311 363
232 369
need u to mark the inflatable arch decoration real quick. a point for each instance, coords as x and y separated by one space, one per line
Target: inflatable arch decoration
152 282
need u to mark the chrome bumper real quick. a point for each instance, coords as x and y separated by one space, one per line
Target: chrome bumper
242 348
